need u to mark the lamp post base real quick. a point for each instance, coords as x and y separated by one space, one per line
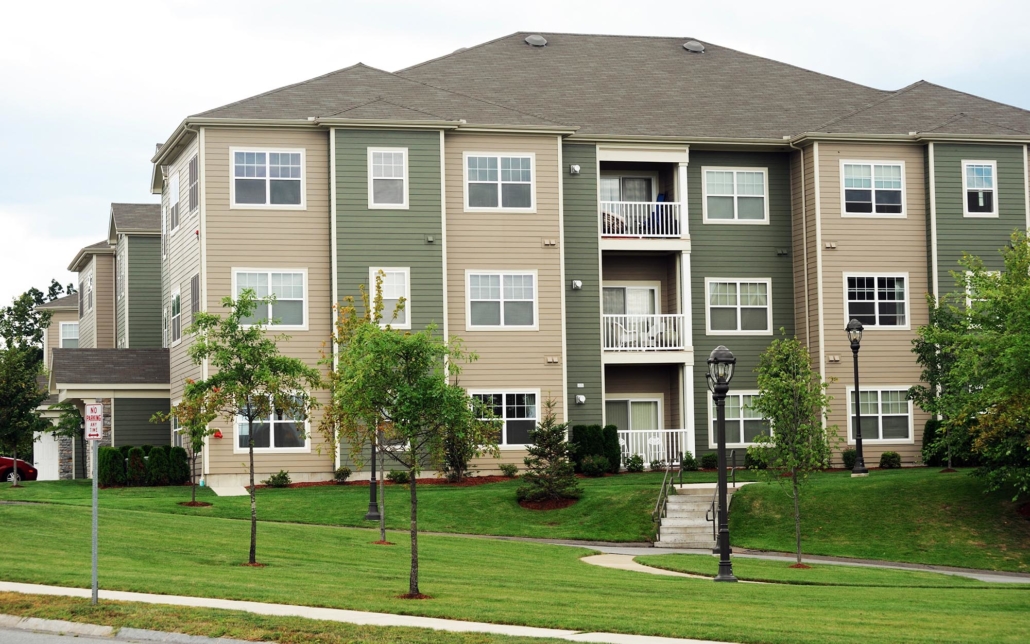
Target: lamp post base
373 512
858 475
725 573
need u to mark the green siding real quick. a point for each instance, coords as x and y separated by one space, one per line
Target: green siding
735 250
391 238
120 306
144 291
981 236
132 424
582 262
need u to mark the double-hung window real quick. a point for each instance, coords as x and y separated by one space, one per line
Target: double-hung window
396 284
388 178
735 195
877 300
743 422
289 288
89 292
277 431
499 181
634 414
873 188
739 306
194 177
886 415
516 413
69 335
979 188
173 201
176 316
501 300
267 178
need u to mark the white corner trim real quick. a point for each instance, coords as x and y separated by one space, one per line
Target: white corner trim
563 285
443 235
935 278
819 260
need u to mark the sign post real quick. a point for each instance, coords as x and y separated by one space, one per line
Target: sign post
94 432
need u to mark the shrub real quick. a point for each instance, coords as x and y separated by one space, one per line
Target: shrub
612 449
341 474
280 479
935 446
111 467
635 463
587 441
657 464
688 463
890 460
754 460
136 468
124 449
400 477
550 474
158 468
167 449
595 466
146 449
510 470
179 466
850 456
710 461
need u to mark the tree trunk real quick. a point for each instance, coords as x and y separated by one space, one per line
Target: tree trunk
14 472
382 492
193 475
253 497
797 514
413 580
949 450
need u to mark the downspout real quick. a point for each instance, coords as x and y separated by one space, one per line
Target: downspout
804 245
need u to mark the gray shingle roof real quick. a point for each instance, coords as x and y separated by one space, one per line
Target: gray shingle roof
66 302
42 383
110 366
136 217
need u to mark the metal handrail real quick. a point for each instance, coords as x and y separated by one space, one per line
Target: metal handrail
712 515
659 506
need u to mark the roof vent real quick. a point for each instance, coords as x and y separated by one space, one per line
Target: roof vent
459 50
536 40
694 47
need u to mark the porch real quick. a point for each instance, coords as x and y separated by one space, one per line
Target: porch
646 403
643 199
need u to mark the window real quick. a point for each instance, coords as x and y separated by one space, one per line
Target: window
194 183
173 201
89 292
69 335
886 415
82 297
194 296
634 413
516 413
877 300
277 431
387 178
289 308
979 188
971 291
396 284
120 260
176 316
268 178
743 423
177 440
871 188
625 188
735 195
630 300
501 300
739 306
498 182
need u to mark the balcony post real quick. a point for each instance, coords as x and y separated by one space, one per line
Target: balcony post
681 197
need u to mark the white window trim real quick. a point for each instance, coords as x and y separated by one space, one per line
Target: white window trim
881 441
641 397
499 208
711 418
506 391
738 280
371 194
372 272
236 449
620 175
656 285
965 188
176 194
874 215
469 272
307 294
908 297
176 292
268 206
89 292
969 295
733 222
60 338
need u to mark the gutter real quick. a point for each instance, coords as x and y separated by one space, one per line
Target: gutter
912 137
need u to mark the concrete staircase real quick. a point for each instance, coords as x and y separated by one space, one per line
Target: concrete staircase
684 524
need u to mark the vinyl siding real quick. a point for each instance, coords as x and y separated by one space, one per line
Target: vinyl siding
645 267
144 291
121 291
622 381
131 420
103 302
53 332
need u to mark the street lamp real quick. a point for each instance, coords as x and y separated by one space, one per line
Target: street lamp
854 331
720 372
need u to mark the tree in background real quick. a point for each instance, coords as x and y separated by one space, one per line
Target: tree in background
550 474
22 325
793 399
194 415
20 398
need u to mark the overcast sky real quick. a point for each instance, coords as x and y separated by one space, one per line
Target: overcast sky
90 87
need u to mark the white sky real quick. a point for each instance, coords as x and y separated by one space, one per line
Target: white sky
88 88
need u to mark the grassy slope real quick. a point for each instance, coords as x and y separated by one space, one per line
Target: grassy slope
482 580
916 515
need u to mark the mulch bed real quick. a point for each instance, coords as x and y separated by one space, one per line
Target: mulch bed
383 543
801 567
254 565
468 482
548 504
195 504
415 596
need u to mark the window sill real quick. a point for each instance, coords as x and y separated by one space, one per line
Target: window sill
469 327
272 450
531 210
736 222
512 448
874 215
883 441
278 327
382 206
710 332
258 206
980 215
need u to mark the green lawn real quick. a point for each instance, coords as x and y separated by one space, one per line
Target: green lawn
911 515
482 580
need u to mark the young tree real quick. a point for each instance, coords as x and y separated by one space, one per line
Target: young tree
793 399
251 379
550 474
194 414
20 398
22 325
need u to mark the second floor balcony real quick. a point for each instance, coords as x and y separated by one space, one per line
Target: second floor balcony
653 332
636 219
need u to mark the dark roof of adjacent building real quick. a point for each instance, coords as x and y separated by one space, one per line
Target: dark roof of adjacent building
136 217
101 247
42 383
70 301
110 366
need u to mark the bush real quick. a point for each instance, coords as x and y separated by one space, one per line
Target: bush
136 468
753 458
635 463
935 446
850 456
688 463
124 449
400 477
167 449
595 466
510 470
710 461
179 466
612 449
111 467
657 464
341 475
890 461
587 441
550 473
146 449
158 468
281 479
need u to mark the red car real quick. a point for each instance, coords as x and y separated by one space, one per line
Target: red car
25 471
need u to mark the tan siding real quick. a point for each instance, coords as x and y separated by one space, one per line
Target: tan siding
490 466
644 268
799 233
647 379
87 323
813 255
103 301
53 332
505 241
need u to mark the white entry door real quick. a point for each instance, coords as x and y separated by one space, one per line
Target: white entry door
46 455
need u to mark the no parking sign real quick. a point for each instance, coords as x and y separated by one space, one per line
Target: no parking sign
94 422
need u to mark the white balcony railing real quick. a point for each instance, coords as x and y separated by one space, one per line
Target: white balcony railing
644 332
663 445
640 219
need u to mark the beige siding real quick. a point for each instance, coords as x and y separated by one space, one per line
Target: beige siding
874 245
87 323
53 332
621 380
812 243
800 221
617 268
271 239
103 301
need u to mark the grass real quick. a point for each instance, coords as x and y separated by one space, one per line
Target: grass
820 574
209 622
911 515
481 580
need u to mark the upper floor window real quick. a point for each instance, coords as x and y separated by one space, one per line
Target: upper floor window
89 292
176 316
496 182
628 188
979 188
743 422
515 412
871 188
388 178
267 178
69 335
735 195
877 300
194 183
173 201
194 296
886 415
289 308
396 284
739 306
501 300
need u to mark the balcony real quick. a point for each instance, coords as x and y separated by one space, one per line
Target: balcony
641 219
665 445
663 332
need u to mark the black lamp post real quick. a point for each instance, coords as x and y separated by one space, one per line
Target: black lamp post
373 505
854 331
720 372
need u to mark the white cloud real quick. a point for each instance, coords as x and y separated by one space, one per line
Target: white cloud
31 258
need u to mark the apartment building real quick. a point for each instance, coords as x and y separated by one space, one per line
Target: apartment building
591 215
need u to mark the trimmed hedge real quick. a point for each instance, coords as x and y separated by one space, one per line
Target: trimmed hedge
689 463
849 455
890 460
594 440
158 468
136 468
146 449
612 449
179 466
124 449
111 466
710 461
596 465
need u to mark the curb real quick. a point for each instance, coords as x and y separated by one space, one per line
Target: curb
62 627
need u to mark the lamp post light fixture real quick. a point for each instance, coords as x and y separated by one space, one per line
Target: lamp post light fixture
854 331
720 372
